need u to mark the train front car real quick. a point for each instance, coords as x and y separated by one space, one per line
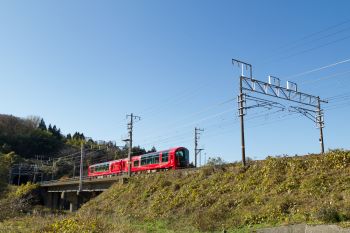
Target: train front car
180 157
174 158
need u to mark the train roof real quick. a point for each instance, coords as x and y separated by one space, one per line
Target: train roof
162 151
108 162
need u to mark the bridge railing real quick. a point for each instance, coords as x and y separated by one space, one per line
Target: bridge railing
84 178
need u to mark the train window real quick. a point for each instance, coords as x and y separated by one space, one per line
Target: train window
136 163
179 153
150 159
182 156
101 168
165 157
92 169
155 158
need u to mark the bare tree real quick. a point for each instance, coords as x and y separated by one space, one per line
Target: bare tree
33 121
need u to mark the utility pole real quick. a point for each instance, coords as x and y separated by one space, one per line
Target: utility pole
73 169
130 128
320 123
81 166
10 175
19 174
196 138
241 101
35 171
241 116
53 165
308 105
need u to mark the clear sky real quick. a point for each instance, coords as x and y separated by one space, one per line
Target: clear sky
84 65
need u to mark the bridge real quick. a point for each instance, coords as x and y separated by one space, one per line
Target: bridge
71 193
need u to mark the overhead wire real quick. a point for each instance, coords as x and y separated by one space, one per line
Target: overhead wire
303 73
313 34
313 48
310 38
200 120
293 76
316 39
221 103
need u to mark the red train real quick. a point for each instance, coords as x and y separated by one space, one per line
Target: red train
173 158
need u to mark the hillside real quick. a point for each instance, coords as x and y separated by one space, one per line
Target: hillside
276 191
28 143
29 136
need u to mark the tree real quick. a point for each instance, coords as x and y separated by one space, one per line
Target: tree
215 161
55 132
78 136
50 128
153 149
42 125
33 121
69 136
137 150
6 148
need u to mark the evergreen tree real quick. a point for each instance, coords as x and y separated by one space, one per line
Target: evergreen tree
54 130
50 128
137 150
42 125
78 136
152 150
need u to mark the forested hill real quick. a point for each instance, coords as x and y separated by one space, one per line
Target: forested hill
29 137
23 140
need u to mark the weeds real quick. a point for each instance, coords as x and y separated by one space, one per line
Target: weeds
285 190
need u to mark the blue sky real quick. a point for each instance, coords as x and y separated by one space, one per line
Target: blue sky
84 65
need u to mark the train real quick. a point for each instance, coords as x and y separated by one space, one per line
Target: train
173 158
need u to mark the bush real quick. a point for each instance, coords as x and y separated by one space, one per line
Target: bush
25 189
18 200
329 215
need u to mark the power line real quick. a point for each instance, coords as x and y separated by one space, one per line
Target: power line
202 119
197 113
317 39
315 33
324 78
317 69
313 48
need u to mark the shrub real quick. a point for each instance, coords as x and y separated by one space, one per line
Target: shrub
328 215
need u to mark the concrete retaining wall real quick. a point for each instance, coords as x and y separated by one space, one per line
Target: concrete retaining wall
303 228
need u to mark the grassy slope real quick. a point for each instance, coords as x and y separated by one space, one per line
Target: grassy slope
313 189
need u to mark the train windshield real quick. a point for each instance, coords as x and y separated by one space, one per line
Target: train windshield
182 156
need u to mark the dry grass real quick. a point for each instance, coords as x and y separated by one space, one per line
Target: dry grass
277 191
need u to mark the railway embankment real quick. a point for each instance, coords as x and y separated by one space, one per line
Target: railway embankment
277 191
